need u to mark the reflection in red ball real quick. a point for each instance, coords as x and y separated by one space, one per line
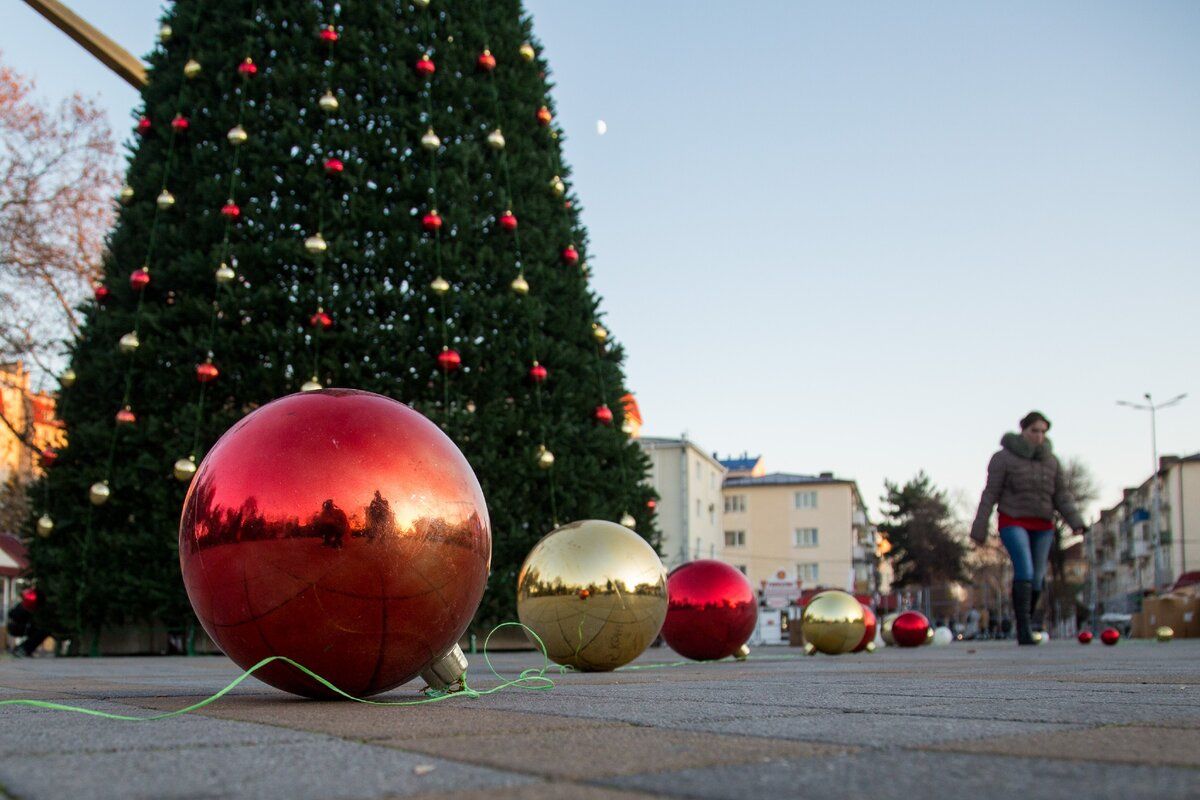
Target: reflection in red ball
910 629
340 529
712 612
869 634
1085 637
1110 636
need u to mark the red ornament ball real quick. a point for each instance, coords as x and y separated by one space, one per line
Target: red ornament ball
340 529
334 166
329 34
425 66
603 414
143 125
1085 637
207 372
321 320
570 256
432 222
651 504
538 373
1110 636
101 293
126 417
544 117
139 279
449 360
48 455
486 61
180 123
910 629
712 610
872 622
247 68
508 221
231 210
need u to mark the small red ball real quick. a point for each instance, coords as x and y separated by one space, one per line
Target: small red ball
538 373
49 455
329 34
872 623
544 117
603 415
425 66
570 256
486 61
1085 637
231 210
206 372
712 612
321 320
101 294
139 279
910 629
431 222
449 360
143 125
334 166
126 417
651 504
508 221
247 68
180 123
1110 636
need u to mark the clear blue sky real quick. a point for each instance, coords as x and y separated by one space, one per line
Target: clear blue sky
866 237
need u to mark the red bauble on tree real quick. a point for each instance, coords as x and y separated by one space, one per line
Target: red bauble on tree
432 222
544 117
570 256
329 34
334 166
1085 637
425 66
651 504
1110 636
321 320
603 414
231 210
139 279
101 294
871 622
366 554
538 373
508 221
48 457
207 372
143 126
713 610
486 61
910 629
247 68
449 360
126 416
180 124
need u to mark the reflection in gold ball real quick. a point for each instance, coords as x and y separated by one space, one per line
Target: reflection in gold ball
885 630
1164 633
594 592
834 623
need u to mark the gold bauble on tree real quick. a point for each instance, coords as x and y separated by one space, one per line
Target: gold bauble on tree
129 342
192 68
595 593
225 273
126 195
67 379
315 245
495 140
557 186
430 140
628 521
184 469
520 285
99 493
439 286
1164 633
164 33
545 459
311 385
527 52
237 135
599 333
328 102
45 525
834 622
165 200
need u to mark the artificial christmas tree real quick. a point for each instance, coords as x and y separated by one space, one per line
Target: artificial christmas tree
334 211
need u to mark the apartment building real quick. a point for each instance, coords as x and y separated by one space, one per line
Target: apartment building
688 481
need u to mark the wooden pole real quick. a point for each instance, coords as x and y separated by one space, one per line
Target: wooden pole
111 54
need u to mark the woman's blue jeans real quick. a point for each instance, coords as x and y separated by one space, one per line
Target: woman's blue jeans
1029 551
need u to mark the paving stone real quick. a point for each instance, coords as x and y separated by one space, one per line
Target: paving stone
548 790
1114 744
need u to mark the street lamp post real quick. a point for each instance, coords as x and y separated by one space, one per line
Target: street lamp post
1155 524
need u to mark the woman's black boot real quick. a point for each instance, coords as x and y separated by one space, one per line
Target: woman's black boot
1022 592
1036 619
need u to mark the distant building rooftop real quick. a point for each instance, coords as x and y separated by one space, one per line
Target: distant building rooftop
784 479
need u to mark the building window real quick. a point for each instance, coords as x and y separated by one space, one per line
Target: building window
805 537
741 568
808 573
735 538
697 506
735 502
806 499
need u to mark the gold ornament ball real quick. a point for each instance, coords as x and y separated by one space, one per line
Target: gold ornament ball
545 459
165 200
440 286
129 342
598 332
328 103
225 273
45 525
430 140
67 379
191 69
99 493
237 135
421 3
126 195
928 635
885 629
834 622
520 285
810 649
311 385
870 648
527 51
557 186
595 593
164 33
315 244
184 469
628 521
495 140
1164 633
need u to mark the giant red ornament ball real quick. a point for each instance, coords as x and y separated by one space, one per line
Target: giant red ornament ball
139 279
910 629
340 529
871 622
712 610
1110 636
1085 637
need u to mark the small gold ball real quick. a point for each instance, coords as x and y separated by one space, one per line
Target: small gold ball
126 195
520 285
225 273
870 648
237 135
45 525
328 102
557 186
129 342
440 286
184 469
810 649
742 653
495 140
598 332
164 33
430 140
311 385
68 378
628 521
191 69
527 52
421 3
99 493
165 200
315 244
1164 633
545 459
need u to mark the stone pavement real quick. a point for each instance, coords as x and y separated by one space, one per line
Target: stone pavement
978 720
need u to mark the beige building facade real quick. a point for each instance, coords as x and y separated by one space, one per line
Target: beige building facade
812 529
688 481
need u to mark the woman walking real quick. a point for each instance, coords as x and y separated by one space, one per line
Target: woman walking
1026 481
